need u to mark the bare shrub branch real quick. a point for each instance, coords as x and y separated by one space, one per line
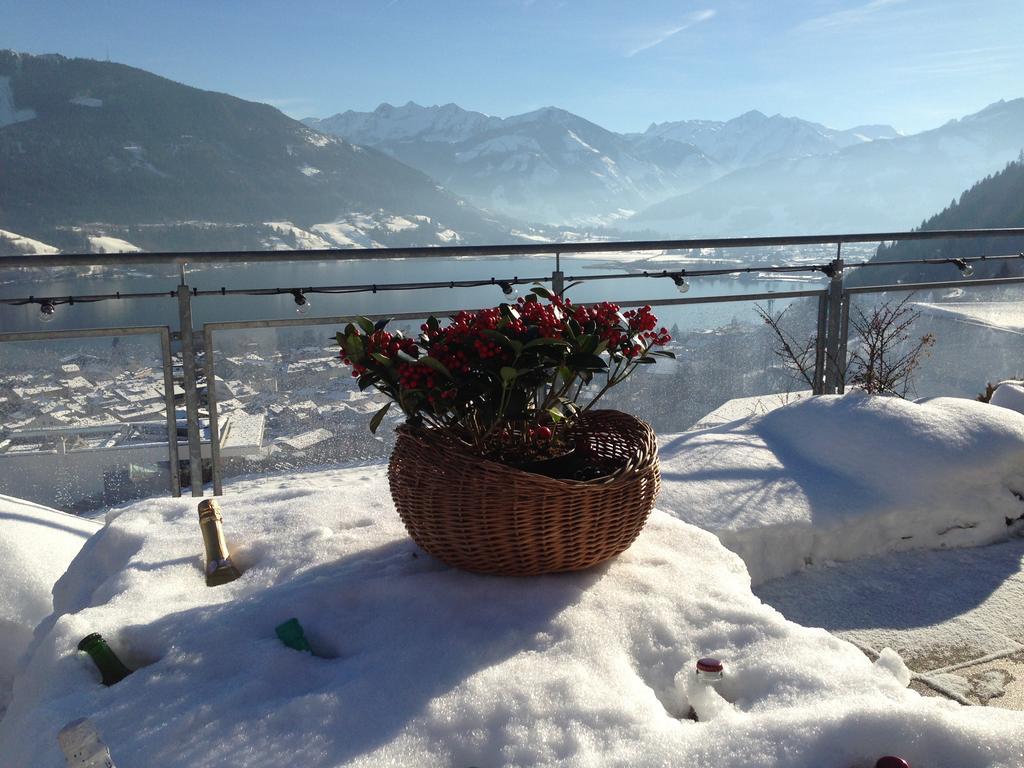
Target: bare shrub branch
886 356
796 355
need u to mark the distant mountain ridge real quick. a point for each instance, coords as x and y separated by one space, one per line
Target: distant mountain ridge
754 138
872 186
548 165
87 145
449 123
553 166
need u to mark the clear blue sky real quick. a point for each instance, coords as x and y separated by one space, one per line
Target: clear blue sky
621 63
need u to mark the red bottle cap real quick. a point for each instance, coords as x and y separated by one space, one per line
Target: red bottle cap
891 762
709 665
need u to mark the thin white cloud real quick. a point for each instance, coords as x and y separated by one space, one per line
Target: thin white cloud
976 61
849 16
662 35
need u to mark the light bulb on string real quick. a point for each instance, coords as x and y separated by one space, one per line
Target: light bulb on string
507 287
681 285
302 304
966 269
47 311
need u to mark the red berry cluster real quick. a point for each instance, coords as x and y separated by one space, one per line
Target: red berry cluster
474 349
457 345
643 323
383 343
549 319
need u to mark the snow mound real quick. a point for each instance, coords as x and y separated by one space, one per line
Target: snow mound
13 243
841 477
1009 394
423 665
107 244
36 545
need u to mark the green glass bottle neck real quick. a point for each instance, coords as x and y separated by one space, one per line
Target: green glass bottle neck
106 660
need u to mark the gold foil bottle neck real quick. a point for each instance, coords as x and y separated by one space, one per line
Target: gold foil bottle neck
219 568
209 508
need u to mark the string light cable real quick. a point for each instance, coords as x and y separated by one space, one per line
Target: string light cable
300 295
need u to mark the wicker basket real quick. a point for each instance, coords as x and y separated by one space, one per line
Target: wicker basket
491 518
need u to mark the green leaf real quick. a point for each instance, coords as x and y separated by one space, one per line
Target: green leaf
555 414
645 360
587 362
365 323
509 311
405 356
378 417
546 342
380 325
587 343
566 373
382 359
437 365
544 293
354 348
508 375
664 353
366 380
601 347
517 346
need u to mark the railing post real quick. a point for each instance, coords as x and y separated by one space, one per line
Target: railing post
819 346
558 277
211 406
844 333
188 360
172 421
835 365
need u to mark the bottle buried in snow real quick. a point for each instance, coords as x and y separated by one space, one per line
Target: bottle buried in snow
292 635
82 745
111 668
701 692
219 568
709 670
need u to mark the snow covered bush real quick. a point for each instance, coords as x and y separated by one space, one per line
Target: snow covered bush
838 477
36 546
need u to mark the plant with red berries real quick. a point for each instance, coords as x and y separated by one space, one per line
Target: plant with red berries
510 381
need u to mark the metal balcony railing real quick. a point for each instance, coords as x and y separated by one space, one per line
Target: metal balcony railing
197 344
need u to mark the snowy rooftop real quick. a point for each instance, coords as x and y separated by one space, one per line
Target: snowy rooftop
422 665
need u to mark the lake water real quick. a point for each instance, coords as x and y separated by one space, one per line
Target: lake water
163 311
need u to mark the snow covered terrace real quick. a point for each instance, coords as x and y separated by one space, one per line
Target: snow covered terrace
854 561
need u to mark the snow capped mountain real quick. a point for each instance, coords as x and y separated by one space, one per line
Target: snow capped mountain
553 166
102 156
547 165
754 138
867 186
449 123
